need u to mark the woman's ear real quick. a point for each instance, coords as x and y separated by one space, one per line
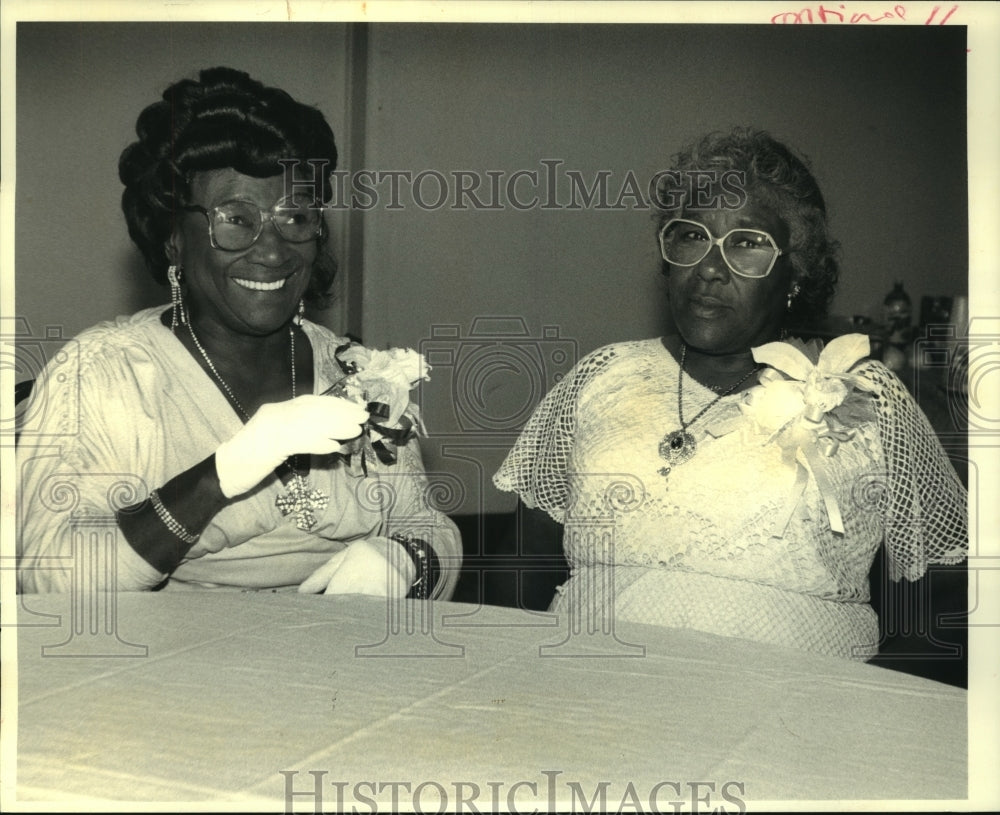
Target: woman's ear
798 280
172 249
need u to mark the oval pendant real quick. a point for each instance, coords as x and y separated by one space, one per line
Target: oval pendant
678 446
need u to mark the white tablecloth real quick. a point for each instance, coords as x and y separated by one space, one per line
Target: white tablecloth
242 698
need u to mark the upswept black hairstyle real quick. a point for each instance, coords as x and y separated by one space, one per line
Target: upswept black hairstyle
777 177
223 119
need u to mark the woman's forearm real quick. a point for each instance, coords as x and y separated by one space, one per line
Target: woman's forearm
164 527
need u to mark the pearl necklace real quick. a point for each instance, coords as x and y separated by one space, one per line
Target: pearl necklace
300 498
679 446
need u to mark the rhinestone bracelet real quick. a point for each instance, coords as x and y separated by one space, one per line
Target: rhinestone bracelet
169 521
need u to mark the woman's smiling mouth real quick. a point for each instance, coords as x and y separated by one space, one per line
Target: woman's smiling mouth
259 285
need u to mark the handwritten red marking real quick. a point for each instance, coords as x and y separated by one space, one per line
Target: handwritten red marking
826 14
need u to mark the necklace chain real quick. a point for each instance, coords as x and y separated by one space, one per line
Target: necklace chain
301 500
225 386
679 446
293 461
680 391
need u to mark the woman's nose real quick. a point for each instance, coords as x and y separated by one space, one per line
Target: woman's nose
270 248
713 265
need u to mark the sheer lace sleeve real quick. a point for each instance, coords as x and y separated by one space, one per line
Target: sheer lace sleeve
536 467
925 502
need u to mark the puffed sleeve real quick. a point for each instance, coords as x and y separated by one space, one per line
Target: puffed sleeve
537 466
80 458
925 502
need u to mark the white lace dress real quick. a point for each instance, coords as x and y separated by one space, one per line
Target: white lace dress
735 541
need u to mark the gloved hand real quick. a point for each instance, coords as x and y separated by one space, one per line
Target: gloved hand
306 424
376 565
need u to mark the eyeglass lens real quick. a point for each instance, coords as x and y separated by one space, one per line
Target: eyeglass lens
238 224
749 252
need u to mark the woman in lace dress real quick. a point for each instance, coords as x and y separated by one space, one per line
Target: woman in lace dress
718 479
199 444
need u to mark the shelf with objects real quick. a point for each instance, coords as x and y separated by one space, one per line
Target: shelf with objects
833 326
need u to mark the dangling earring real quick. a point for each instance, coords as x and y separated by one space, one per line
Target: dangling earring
177 314
302 312
792 295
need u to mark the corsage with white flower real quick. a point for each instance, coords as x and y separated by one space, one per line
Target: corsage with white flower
382 381
808 401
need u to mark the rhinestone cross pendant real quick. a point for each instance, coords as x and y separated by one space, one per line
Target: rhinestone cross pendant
303 500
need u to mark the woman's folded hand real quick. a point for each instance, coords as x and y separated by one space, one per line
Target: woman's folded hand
306 424
377 566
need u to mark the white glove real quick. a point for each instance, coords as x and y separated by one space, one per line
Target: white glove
306 424
377 566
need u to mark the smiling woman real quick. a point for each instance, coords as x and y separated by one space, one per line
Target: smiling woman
677 496
220 435
242 272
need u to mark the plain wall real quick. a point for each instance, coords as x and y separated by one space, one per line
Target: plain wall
881 112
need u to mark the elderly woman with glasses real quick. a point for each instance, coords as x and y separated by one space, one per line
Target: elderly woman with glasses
225 440
727 478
